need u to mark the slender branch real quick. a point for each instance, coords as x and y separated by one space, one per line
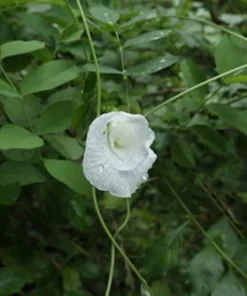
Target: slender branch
116 245
94 57
178 96
218 249
120 228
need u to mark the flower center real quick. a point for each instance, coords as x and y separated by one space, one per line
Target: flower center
121 134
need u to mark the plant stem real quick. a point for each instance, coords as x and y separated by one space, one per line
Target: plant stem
125 78
219 250
94 57
120 228
178 96
116 245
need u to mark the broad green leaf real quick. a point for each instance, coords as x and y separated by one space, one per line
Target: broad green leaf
229 286
163 251
56 117
16 137
71 280
147 37
159 288
21 154
240 257
9 194
69 173
211 138
182 153
13 279
152 66
18 47
234 56
236 79
67 94
6 89
19 2
224 235
205 270
71 34
76 213
103 69
22 111
48 76
19 173
232 116
194 75
104 14
66 146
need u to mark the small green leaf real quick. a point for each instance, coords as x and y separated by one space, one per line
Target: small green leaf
104 14
69 173
71 33
211 138
16 137
152 66
182 153
13 279
71 280
56 117
6 89
19 173
205 270
18 47
48 76
9 194
229 286
232 116
66 146
147 37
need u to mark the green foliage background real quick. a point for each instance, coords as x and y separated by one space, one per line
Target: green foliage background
187 231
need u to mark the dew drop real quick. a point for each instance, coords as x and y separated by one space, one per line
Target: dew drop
90 145
145 177
101 167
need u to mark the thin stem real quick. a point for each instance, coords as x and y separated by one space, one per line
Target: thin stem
94 57
19 96
125 78
116 245
219 250
120 228
178 96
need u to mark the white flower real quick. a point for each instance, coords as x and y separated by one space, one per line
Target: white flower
118 155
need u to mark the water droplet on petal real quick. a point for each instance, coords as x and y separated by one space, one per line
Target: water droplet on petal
145 177
89 145
102 146
101 167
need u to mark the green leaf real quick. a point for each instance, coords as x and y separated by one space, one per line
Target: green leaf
19 173
67 94
152 66
182 153
224 235
14 109
211 138
71 33
18 47
232 116
56 117
6 89
162 253
16 137
194 75
48 76
13 279
104 14
160 288
147 37
229 286
103 69
230 53
240 257
9 194
71 280
69 173
21 154
205 270
66 146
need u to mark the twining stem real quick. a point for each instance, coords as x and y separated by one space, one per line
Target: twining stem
116 245
19 96
218 249
125 78
84 20
120 228
178 96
